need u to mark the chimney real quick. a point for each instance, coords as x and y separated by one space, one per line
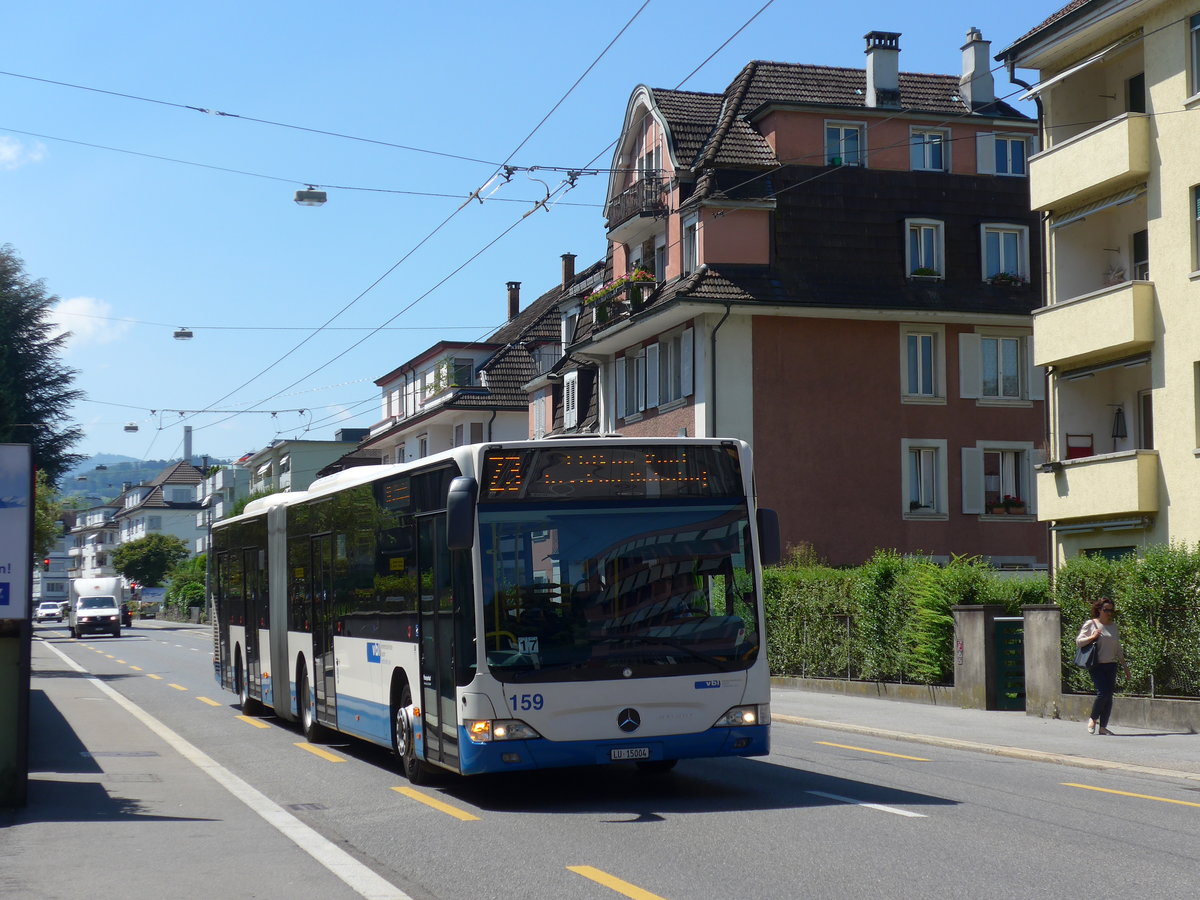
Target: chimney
187 444
883 69
568 270
514 299
977 87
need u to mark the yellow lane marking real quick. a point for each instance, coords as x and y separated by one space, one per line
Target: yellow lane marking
437 804
317 751
136 668
209 702
110 656
1088 787
614 883
152 675
121 661
876 752
254 722
178 687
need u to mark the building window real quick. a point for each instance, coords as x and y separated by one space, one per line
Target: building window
996 366
631 383
1135 93
921 374
674 367
1005 252
690 245
1194 42
924 480
928 150
844 145
1196 224
1000 367
925 249
1140 243
997 479
1011 153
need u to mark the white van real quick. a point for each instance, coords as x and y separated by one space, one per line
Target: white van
96 606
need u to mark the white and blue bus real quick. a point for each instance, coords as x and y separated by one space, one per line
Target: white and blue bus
509 606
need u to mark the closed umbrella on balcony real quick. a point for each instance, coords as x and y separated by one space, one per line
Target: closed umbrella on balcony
1118 430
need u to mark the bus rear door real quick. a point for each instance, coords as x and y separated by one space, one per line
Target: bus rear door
437 642
324 680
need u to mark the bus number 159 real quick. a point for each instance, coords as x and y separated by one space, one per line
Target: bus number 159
526 701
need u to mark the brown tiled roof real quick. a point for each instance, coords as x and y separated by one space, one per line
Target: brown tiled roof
713 130
1061 14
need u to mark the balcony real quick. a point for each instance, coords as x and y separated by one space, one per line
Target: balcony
1093 328
645 198
620 300
1099 161
1099 487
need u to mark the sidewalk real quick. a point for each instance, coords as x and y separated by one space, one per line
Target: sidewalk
1012 734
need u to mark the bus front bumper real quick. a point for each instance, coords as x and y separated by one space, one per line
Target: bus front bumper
540 753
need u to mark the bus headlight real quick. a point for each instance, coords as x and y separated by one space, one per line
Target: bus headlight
482 731
754 714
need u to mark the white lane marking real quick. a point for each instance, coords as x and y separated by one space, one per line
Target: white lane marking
356 876
879 806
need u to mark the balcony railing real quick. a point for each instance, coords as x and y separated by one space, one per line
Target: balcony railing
1099 161
1097 327
645 197
1097 487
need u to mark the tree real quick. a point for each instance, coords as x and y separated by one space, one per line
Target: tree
187 583
47 512
35 387
147 560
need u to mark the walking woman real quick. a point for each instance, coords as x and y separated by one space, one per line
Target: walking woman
1102 629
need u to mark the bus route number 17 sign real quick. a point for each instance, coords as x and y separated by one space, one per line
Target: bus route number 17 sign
16 512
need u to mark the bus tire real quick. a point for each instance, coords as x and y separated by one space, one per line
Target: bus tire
307 713
404 745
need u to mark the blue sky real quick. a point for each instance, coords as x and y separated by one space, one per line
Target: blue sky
195 226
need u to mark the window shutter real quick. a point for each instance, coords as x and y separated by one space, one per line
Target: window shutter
985 154
972 481
652 355
571 399
969 366
539 417
1035 374
620 384
685 363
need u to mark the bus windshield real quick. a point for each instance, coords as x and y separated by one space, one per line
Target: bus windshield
597 590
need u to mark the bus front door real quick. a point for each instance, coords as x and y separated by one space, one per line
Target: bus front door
324 673
437 643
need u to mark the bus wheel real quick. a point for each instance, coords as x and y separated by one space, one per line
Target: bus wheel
656 766
403 740
313 732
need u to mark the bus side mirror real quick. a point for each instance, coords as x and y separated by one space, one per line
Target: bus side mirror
460 513
768 537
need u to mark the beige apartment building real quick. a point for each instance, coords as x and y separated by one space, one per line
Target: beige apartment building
1117 182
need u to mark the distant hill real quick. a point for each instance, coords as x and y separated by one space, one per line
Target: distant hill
103 475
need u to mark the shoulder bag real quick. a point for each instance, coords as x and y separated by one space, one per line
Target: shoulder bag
1086 656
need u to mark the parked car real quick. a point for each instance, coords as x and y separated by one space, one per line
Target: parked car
48 609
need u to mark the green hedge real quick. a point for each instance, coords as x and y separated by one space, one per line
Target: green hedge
1157 596
887 620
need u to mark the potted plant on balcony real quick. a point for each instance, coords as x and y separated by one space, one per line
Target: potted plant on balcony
1013 506
634 286
1010 279
924 272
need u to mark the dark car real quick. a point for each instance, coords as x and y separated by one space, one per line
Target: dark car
126 616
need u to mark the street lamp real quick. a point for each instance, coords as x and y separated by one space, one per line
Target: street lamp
311 197
183 334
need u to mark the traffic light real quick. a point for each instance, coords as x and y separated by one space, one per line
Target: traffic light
46 564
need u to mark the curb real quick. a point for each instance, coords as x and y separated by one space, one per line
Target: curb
1063 759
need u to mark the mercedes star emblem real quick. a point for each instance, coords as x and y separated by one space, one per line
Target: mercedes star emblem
628 719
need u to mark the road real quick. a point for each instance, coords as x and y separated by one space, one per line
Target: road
828 814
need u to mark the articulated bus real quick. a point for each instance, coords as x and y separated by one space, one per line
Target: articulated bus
509 606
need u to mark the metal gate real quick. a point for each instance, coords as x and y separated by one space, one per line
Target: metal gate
1008 637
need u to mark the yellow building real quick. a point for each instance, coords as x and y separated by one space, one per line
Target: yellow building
1118 183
